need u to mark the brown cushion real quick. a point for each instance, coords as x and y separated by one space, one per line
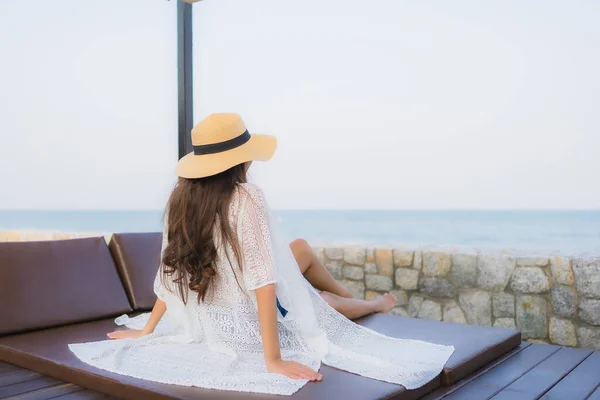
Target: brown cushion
51 283
46 352
474 346
137 256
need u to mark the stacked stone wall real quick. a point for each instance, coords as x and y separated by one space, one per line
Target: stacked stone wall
549 299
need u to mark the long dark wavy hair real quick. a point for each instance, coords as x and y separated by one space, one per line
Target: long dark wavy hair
195 208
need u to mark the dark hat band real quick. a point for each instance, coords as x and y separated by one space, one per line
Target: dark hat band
222 146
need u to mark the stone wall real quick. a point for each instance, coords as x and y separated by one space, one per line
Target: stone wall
549 299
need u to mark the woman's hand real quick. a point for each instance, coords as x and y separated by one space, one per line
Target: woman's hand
127 334
267 318
293 370
157 313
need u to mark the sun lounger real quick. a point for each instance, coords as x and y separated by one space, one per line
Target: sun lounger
60 292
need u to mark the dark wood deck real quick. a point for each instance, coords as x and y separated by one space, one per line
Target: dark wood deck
22 384
532 371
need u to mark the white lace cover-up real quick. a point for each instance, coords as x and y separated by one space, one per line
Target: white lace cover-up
216 344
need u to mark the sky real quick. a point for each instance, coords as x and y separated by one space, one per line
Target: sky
394 105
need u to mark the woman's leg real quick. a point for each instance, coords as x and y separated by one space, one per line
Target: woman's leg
356 308
332 291
314 271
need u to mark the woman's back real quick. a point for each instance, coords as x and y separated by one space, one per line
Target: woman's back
227 318
228 284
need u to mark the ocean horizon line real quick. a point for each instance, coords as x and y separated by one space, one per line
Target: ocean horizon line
568 231
125 210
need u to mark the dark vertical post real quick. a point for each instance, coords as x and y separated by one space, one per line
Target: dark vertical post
184 76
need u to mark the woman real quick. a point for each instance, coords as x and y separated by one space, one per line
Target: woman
241 315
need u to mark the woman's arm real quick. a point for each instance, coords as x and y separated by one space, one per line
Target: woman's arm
259 277
157 313
267 318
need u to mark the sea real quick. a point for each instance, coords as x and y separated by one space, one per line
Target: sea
574 233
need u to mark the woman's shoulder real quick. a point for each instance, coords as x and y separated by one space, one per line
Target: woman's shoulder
251 189
254 193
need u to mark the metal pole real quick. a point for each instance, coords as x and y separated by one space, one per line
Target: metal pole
185 85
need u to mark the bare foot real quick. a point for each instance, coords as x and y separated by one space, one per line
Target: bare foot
386 303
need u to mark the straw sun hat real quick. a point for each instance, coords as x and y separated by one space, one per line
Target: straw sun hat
221 141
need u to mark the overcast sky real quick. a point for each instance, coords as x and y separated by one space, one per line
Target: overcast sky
381 104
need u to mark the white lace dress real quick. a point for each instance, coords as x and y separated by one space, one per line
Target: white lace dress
217 344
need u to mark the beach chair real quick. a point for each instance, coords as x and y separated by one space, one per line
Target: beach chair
59 292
